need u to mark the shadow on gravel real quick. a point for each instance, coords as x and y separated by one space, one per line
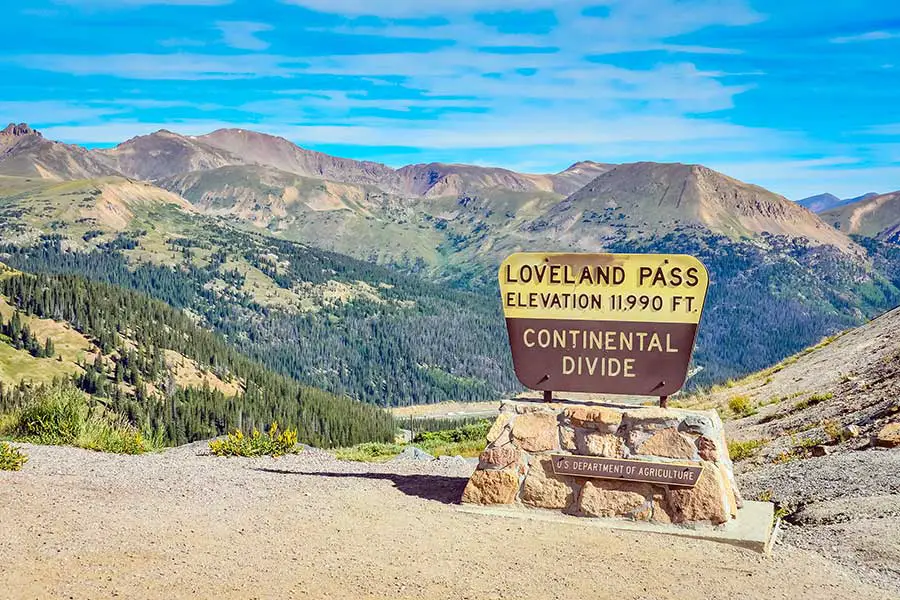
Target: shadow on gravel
430 487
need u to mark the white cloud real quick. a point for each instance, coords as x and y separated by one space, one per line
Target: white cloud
419 8
53 111
886 129
870 36
134 3
174 66
243 34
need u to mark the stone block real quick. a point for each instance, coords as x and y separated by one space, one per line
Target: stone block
499 431
650 419
492 487
543 488
603 444
610 498
567 439
601 418
661 510
501 457
668 443
536 432
706 501
698 424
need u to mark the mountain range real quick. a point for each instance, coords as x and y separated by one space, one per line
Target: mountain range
822 202
275 247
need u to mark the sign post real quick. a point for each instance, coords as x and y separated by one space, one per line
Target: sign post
602 323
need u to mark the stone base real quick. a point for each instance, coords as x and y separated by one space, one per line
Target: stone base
754 528
516 467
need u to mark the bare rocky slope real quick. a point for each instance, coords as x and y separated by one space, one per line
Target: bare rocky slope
25 152
822 420
875 216
652 198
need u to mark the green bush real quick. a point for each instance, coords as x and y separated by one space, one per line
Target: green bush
61 415
57 417
271 443
743 450
11 458
468 440
741 406
813 400
369 452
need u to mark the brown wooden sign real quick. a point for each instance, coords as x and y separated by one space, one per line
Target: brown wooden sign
603 323
626 470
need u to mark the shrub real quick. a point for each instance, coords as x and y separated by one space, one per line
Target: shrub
61 415
745 449
271 443
835 432
813 400
468 440
741 406
11 458
369 452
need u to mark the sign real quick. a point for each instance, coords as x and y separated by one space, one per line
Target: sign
603 323
626 470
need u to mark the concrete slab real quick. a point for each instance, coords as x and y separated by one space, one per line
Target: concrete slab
754 528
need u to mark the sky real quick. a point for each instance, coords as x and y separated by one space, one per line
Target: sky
800 96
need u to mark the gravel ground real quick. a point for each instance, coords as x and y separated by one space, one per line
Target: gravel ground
180 524
844 506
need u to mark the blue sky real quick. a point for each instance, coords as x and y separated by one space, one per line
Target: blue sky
799 96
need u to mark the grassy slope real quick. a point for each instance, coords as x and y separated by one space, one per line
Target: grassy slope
112 206
73 348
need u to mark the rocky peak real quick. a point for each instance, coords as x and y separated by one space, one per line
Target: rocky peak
19 130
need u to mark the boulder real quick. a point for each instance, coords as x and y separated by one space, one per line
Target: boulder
492 487
536 432
616 499
668 443
888 436
543 488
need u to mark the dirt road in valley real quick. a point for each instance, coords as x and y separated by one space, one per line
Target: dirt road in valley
82 525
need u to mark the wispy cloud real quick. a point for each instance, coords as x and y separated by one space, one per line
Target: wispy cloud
243 34
133 3
177 66
870 36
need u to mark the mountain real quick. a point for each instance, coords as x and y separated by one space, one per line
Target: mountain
642 200
823 202
874 216
262 255
25 152
263 149
820 202
164 153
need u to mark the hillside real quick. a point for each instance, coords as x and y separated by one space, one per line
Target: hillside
875 216
814 432
651 199
151 363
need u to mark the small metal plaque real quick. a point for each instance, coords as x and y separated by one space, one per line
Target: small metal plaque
626 470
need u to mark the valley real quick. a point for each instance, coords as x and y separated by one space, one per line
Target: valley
228 226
